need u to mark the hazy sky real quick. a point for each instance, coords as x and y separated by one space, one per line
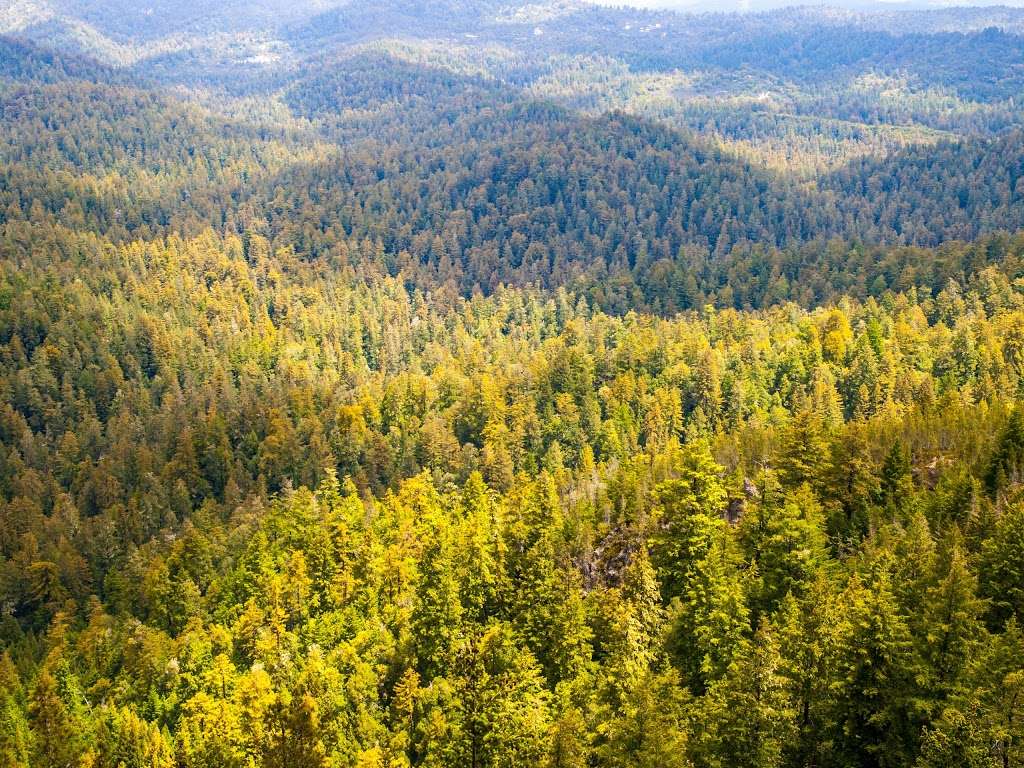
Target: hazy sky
732 5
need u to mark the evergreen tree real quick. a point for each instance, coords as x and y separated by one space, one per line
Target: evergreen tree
1002 566
748 717
650 729
876 709
59 735
785 540
689 519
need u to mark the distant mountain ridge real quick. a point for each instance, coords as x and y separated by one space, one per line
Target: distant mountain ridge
123 33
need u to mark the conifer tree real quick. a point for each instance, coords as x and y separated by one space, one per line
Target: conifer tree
748 715
1002 566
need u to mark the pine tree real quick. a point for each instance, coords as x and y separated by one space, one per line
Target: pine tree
568 736
58 731
851 488
1006 465
15 737
982 724
896 482
709 622
630 641
650 729
1002 566
503 712
951 621
804 450
785 541
126 741
748 716
957 740
876 709
808 635
437 615
689 519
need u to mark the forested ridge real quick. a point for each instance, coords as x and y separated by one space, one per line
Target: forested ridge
502 385
469 190
554 525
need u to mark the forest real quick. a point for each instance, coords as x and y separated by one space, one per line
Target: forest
394 385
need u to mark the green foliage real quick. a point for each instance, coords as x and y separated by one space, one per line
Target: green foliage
650 729
415 613
748 715
1002 568
876 711
690 519
544 388
784 539
981 726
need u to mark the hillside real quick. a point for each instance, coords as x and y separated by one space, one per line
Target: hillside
493 384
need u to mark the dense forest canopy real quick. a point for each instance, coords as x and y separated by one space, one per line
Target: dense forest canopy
501 384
